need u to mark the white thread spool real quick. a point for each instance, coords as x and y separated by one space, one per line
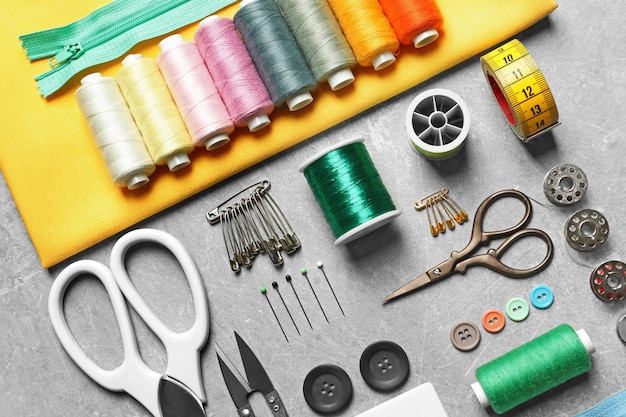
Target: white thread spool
112 125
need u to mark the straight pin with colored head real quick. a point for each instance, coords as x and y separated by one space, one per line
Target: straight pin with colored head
320 265
304 272
275 285
288 278
264 292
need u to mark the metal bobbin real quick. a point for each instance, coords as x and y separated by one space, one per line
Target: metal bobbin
608 281
437 123
586 229
565 184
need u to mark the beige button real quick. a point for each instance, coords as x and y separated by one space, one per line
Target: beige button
465 335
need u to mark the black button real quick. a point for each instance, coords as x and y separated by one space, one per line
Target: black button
327 389
384 365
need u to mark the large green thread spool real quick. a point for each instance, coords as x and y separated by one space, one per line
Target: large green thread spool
349 190
533 368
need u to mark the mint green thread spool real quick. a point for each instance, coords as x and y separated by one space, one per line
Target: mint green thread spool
349 190
533 368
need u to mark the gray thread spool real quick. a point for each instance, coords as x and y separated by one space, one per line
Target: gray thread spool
321 40
275 53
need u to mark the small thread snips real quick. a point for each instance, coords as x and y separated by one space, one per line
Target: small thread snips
240 389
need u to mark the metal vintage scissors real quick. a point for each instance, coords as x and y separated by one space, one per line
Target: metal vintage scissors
177 392
461 260
240 389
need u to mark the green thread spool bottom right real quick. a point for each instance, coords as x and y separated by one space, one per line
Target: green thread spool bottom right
533 368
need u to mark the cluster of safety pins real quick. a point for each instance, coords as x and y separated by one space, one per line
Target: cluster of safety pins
436 202
254 224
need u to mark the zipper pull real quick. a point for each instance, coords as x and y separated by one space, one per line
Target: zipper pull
68 53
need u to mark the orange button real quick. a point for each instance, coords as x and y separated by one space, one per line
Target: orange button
493 321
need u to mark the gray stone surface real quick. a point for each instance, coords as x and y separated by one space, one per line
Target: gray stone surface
580 49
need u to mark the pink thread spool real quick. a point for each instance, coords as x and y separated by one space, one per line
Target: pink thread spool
194 92
234 73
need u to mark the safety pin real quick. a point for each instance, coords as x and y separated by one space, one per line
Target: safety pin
288 233
232 258
422 203
270 245
441 224
213 215
434 230
461 213
450 219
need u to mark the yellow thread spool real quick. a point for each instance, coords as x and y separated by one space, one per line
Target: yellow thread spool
155 112
368 31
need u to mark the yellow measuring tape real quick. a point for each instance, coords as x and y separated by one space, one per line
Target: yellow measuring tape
521 90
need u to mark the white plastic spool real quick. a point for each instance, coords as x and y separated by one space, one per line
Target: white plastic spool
437 123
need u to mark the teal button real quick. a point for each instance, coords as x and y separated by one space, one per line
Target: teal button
542 296
517 309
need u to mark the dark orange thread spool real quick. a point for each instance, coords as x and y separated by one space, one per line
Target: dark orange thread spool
415 22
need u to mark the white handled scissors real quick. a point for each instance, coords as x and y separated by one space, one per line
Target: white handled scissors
177 392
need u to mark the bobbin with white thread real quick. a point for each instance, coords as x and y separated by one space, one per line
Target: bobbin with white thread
125 155
437 123
586 230
565 184
212 130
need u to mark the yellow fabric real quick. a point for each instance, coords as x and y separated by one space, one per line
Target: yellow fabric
56 175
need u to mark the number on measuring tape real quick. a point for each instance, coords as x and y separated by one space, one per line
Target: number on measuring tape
521 90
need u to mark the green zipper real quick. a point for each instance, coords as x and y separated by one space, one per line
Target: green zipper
107 33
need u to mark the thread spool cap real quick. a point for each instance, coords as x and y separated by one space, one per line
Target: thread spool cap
259 122
171 42
131 59
586 340
422 39
366 227
178 161
299 100
340 79
383 60
216 141
137 181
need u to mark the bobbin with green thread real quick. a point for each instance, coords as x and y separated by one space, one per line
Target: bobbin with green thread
349 190
533 368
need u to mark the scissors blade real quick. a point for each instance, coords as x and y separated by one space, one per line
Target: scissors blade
418 282
257 377
175 399
237 387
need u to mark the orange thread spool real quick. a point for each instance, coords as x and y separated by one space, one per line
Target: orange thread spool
415 22
368 31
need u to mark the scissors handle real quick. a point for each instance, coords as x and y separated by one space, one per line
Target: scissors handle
183 349
132 376
491 259
479 235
